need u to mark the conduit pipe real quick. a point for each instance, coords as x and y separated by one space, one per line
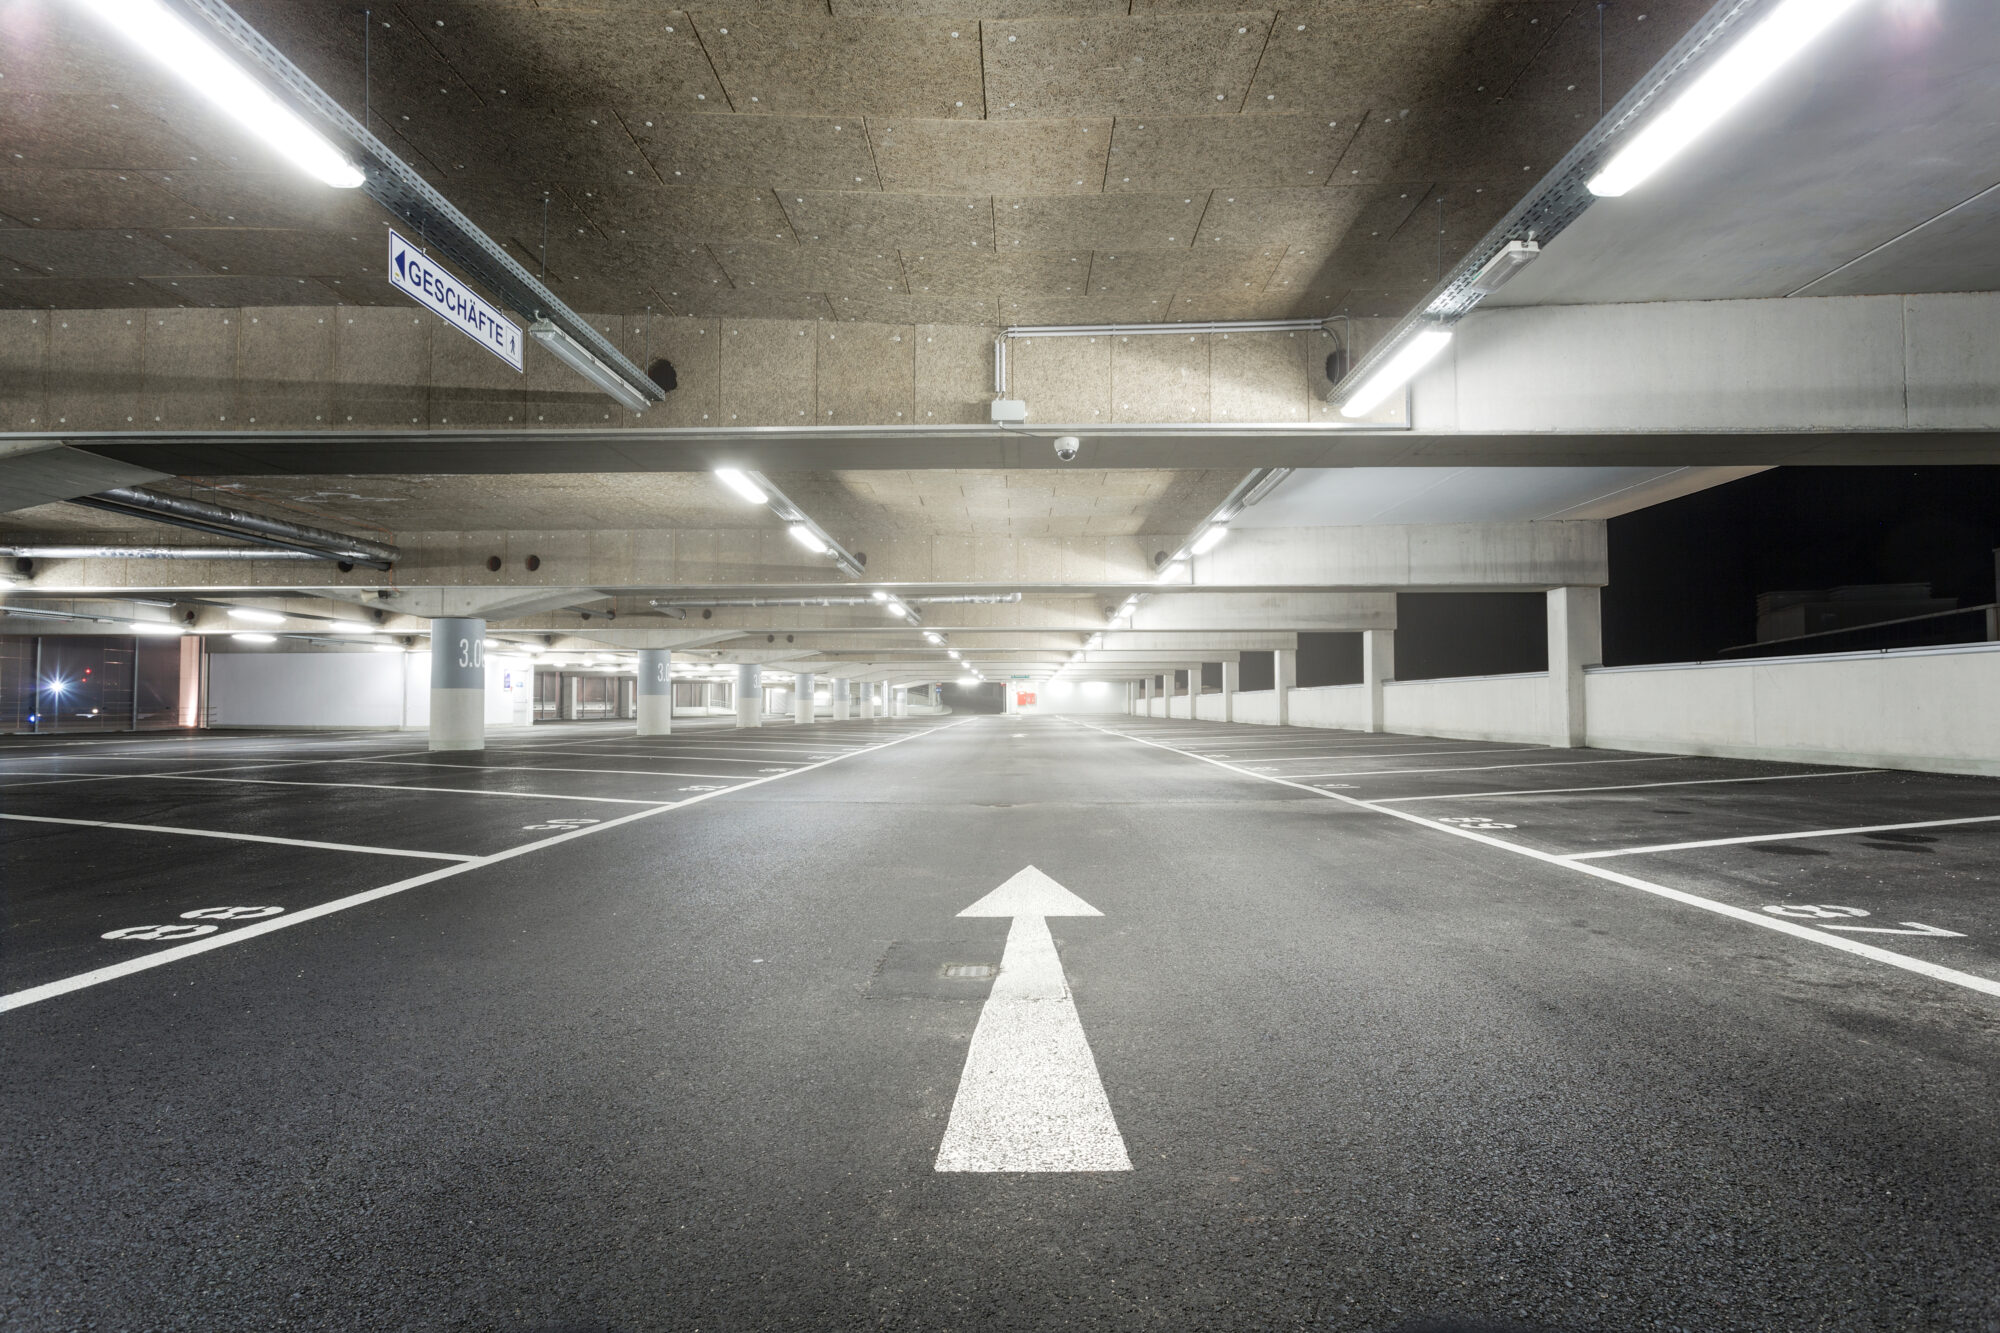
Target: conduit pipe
218 521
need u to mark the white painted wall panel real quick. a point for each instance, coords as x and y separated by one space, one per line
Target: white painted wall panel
1954 360
1484 708
317 689
1344 707
1929 709
1258 706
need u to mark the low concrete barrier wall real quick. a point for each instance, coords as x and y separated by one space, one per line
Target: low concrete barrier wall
1343 707
1478 708
1208 707
1935 709
1257 706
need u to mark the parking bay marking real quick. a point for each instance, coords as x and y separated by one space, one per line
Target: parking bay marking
1777 837
98 976
1825 913
1908 963
242 837
1030 1097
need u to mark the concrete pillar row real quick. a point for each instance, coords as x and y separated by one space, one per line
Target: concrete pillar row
867 699
1378 668
839 689
1231 680
656 692
802 698
1576 641
1285 679
749 695
901 702
458 684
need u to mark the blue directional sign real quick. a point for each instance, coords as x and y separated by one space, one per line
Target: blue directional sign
412 272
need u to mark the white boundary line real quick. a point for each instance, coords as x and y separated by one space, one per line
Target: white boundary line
1392 754
1631 786
551 768
696 759
1776 837
362 786
1468 768
241 837
50 989
1970 981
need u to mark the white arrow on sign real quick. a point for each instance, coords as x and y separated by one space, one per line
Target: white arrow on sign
1030 1098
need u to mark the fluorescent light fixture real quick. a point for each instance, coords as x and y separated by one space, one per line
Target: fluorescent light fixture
255 638
256 617
353 627
578 358
1399 370
933 636
1498 271
388 647
952 653
161 627
879 595
896 609
968 680
1761 52
169 39
742 485
807 538
1210 539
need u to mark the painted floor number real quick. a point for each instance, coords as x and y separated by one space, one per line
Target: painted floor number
1825 914
192 925
1475 821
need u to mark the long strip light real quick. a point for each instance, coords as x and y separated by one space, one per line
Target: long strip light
256 617
1210 538
742 485
1399 370
807 538
172 41
578 358
1761 52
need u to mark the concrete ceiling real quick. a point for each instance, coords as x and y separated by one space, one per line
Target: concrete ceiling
1350 496
855 506
1866 167
960 161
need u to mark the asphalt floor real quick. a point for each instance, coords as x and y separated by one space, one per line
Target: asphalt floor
595 1032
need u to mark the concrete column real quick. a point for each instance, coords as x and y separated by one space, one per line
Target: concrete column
656 692
867 699
1231 678
840 689
802 698
900 703
1285 678
1378 668
1194 688
458 684
749 695
1576 640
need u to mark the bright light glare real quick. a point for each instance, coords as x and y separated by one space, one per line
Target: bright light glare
155 627
1210 539
388 648
807 538
968 680
353 627
167 38
1412 357
58 685
1718 90
255 638
879 595
742 485
952 653
896 610
256 617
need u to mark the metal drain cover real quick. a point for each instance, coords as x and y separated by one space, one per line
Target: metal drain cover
972 970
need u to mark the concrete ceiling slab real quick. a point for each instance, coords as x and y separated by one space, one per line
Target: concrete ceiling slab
643 208
795 152
871 221
1192 64
113 253
991 156
1159 153
1885 127
774 64
1123 221
237 291
1219 268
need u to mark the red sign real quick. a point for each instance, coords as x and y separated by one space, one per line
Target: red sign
1023 700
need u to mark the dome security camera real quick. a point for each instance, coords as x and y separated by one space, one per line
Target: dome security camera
1067 447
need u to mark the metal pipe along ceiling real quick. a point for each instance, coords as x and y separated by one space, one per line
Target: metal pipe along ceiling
216 520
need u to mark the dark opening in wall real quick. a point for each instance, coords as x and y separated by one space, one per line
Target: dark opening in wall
1211 675
1259 672
1441 634
1329 659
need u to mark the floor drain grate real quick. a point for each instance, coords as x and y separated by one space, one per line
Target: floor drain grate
969 970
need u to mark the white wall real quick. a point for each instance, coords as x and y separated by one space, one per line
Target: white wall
336 689
1259 707
1340 706
1936 709
1479 708
1092 697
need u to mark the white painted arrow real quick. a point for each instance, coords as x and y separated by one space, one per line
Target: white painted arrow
1030 1098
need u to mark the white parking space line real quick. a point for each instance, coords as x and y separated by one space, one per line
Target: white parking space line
1393 754
98 976
1630 786
688 758
360 786
240 837
1476 768
548 768
1923 967
1776 837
